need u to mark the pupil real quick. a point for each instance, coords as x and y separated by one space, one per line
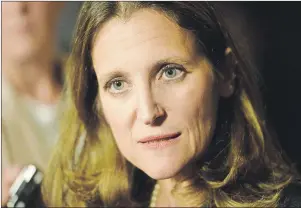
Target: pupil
170 72
118 84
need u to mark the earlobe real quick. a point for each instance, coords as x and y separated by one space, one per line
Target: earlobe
226 89
228 51
226 82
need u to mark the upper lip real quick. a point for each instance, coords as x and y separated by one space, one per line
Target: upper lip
159 137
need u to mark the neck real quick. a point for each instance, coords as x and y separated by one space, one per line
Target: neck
166 196
33 78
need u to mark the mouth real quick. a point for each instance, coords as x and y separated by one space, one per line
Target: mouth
159 138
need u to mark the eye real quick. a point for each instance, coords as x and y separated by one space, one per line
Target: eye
172 72
117 86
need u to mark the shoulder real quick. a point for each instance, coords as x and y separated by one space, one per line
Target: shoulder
291 195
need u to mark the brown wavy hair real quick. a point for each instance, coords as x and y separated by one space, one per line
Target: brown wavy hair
242 167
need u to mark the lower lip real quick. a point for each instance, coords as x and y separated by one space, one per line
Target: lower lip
160 144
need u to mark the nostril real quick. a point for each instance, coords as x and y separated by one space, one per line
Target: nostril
158 118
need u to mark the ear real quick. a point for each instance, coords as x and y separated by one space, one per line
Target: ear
226 75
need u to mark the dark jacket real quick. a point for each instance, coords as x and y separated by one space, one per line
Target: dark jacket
291 196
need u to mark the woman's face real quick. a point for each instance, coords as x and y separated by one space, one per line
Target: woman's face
28 28
153 85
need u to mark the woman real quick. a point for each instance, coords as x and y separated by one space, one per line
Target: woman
31 86
170 114
32 81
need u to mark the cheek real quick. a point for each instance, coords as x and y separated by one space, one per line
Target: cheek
193 100
117 114
193 108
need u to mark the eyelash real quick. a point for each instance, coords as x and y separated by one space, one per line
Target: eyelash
161 72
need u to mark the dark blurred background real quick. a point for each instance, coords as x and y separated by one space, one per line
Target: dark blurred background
269 36
66 25
280 24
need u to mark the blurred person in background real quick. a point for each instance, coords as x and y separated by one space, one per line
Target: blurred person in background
31 86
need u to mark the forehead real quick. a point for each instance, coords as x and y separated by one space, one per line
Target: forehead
147 34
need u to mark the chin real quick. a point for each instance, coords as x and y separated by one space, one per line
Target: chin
27 50
24 54
159 173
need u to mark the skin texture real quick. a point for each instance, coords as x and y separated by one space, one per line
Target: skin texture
152 81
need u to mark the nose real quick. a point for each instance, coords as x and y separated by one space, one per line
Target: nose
149 112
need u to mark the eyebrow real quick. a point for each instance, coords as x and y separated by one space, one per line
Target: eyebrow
113 74
170 60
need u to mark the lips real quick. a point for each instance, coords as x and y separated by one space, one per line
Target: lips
159 137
